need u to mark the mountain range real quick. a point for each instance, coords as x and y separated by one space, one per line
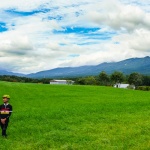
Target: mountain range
140 65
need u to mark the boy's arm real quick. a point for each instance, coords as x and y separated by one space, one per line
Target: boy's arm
10 112
0 111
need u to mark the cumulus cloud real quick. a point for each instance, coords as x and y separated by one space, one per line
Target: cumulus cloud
14 43
119 16
46 34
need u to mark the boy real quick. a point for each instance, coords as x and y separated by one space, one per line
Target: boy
5 113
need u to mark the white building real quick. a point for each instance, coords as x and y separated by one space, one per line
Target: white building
61 82
120 85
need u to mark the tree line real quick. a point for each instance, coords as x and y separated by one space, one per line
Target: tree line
12 78
105 79
102 79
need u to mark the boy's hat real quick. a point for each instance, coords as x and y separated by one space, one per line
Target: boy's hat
7 96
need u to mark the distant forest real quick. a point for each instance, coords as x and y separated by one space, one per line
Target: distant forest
102 79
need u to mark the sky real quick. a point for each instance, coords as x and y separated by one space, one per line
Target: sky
46 34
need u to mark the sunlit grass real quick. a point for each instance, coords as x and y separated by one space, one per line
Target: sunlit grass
76 117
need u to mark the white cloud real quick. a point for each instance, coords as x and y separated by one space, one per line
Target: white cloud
118 16
22 5
14 43
31 45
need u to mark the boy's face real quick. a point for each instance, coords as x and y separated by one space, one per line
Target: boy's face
5 100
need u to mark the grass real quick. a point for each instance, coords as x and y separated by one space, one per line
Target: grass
55 117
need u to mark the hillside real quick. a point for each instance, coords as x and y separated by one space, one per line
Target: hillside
4 72
51 117
140 65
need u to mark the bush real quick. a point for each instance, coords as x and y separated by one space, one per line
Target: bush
143 88
132 87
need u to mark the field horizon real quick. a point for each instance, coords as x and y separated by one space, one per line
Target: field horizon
75 117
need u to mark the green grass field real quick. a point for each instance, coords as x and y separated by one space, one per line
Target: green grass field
56 117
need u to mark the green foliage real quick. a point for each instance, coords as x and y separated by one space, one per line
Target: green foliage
103 78
132 87
23 79
90 80
80 81
143 88
117 77
51 117
146 80
135 78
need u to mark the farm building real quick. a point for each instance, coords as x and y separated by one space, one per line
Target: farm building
61 82
119 85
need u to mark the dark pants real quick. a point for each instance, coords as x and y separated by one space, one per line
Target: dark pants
4 127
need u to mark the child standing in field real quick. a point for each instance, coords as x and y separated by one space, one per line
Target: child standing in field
5 113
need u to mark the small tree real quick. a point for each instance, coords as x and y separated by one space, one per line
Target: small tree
117 77
90 80
80 81
103 78
146 80
135 78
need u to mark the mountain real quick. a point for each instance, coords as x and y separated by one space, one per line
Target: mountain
4 72
140 65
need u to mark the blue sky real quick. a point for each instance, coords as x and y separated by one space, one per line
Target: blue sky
3 27
47 34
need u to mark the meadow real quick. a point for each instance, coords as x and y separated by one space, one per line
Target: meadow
62 117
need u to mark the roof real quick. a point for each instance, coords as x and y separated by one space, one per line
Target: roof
58 80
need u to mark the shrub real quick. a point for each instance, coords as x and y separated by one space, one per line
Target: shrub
131 87
143 88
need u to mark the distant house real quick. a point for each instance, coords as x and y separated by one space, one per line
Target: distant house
120 85
61 82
